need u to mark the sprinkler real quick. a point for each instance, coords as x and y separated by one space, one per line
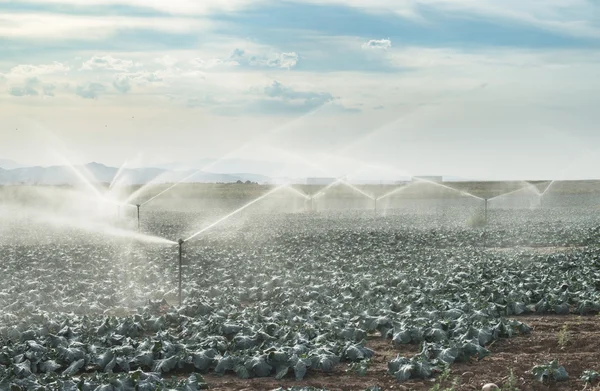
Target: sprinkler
485 222
375 204
485 212
181 241
138 215
311 205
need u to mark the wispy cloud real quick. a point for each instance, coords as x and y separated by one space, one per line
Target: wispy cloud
44 26
29 70
108 63
173 7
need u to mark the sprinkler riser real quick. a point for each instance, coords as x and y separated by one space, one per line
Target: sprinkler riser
138 216
181 241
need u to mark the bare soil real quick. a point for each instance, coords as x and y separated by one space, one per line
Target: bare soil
577 348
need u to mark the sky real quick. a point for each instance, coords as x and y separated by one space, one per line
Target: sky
469 88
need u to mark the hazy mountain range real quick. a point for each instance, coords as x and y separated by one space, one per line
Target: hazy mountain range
225 171
14 173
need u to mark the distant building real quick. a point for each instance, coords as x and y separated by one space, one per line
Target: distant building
430 178
320 181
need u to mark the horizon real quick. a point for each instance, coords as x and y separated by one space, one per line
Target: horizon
363 180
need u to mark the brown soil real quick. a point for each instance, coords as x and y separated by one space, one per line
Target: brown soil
580 351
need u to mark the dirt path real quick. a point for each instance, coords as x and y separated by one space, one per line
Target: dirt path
579 351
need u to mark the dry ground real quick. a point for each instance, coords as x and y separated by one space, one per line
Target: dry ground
579 351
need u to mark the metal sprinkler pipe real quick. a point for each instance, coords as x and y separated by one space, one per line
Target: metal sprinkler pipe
138 215
180 242
485 223
485 215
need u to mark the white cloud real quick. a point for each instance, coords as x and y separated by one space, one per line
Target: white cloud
28 70
271 60
280 60
107 63
184 7
122 82
240 57
378 44
200 63
49 26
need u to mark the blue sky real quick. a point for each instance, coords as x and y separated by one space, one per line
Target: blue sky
405 84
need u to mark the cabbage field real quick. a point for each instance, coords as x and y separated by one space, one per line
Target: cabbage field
288 298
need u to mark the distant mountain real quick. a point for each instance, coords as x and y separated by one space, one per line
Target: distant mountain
227 165
96 172
8 164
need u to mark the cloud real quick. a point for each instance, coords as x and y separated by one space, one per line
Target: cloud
281 99
278 90
378 44
36 70
55 26
239 57
277 60
32 87
121 83
108 63
90 90
200 63
169 8
271 60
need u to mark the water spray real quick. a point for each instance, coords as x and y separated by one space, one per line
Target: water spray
180 242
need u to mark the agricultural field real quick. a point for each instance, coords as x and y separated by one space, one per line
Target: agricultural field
335 299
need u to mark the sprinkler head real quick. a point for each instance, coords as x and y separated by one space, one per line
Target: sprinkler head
181 241
138 205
